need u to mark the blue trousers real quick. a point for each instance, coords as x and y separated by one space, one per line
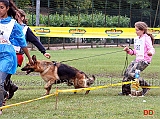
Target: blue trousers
3 76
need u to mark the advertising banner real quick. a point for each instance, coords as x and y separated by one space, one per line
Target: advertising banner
88 32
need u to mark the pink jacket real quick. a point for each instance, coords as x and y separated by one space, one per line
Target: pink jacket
148 47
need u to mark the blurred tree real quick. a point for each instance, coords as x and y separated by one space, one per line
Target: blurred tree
23 3
87 4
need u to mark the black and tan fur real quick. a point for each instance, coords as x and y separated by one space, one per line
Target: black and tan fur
53 73
135 93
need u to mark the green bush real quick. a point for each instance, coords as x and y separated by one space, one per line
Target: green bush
85 20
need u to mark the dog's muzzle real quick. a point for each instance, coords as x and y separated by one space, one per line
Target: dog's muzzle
28 70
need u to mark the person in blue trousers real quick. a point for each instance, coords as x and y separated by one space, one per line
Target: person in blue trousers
10 34
30 37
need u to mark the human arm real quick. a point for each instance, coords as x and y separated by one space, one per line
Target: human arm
129 51
25 50
30 37
149 46
17 38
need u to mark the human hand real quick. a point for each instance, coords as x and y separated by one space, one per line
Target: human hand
149 54
31 61
126 49
47 55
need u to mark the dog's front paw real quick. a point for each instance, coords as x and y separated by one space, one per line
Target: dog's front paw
46 94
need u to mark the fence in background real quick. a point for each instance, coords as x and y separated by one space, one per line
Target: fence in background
136 10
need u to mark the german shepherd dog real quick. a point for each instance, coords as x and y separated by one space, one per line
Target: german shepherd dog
54 73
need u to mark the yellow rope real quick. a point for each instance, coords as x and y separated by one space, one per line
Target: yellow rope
135 84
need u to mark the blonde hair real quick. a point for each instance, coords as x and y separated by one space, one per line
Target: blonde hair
23 14
144 27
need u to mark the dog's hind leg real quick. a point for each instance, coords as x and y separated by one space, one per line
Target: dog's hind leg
87 92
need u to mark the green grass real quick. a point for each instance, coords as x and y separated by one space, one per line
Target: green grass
100 104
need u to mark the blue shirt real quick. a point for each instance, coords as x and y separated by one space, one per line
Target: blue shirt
8 58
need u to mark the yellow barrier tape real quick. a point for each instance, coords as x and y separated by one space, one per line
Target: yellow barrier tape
28 101
67 90
150 86
75 90
93 88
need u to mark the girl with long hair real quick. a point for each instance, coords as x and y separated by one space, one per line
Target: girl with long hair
10 34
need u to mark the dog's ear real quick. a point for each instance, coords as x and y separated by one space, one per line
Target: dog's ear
34 58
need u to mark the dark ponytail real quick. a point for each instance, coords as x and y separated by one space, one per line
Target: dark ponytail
152 38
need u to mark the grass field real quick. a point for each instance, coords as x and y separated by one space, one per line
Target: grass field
107 65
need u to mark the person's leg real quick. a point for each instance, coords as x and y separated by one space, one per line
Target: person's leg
141 66
12 90
128 76
3 76
7 83
10 86
142 83
126 89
